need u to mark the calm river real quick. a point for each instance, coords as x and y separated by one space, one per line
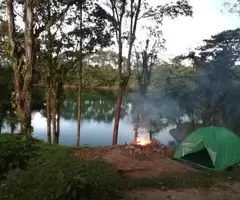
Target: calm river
97 120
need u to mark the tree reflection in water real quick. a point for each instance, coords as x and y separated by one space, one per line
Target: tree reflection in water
98 105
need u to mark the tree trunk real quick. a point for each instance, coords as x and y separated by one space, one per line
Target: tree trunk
12 122
25 112
54 126
123 78
49 78
56 105
80 68
136 127
29 64
206 120
49 116
2 116
79 111
54 122
117 114
12 128
151 136
22 71
58 126
136 131
143 87
119 92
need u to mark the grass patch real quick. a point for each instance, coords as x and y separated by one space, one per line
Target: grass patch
55 174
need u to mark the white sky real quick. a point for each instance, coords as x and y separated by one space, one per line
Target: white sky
187 33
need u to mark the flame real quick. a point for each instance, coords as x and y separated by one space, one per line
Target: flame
143 142
143 137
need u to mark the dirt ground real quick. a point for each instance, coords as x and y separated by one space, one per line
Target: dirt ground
137 161
230 193
151 160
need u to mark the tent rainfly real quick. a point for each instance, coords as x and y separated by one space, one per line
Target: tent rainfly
214 148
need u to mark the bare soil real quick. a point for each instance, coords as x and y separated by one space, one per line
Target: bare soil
137 161
152 160
231 192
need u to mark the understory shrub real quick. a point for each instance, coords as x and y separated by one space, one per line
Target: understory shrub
15 152
56 175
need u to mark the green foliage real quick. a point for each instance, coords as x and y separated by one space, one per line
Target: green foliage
173 70
99 69
55 175
15 151
209 90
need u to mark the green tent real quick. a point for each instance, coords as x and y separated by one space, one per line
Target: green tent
214 148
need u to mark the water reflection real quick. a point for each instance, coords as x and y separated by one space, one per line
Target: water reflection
93 133
97 120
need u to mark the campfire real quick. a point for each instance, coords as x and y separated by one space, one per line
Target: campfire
143 137
143 140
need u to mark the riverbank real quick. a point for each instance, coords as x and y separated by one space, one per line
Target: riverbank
55 172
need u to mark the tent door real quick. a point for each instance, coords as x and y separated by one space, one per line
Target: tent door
201 158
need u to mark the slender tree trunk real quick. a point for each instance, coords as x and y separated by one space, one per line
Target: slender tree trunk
136 128
117 115
49 82
206 120
143 87
151 136
80 68
49 117
123 77
122 86
54 126
119 92
2 116
12 128
79 111
56 106
54 121
58 125
12 122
